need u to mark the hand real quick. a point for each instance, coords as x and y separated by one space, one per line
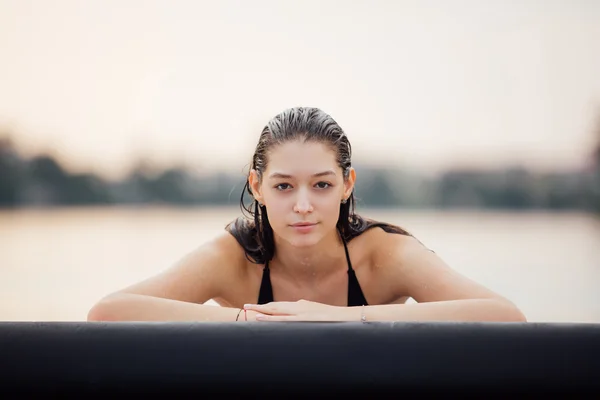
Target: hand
301 310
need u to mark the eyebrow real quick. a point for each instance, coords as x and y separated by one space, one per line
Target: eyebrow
280 175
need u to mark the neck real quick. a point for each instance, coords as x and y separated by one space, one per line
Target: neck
312 262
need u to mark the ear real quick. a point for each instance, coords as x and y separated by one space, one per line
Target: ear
254 183
349 183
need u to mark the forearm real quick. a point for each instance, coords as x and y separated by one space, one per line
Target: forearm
134 307
475 310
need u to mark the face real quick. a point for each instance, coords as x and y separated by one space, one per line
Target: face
302 189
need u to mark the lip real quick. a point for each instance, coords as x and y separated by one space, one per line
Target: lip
303 224
304 227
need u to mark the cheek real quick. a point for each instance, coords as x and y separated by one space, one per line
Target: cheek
328 207
278 209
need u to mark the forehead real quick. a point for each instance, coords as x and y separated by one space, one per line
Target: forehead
299 157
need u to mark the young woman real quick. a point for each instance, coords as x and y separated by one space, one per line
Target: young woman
305 255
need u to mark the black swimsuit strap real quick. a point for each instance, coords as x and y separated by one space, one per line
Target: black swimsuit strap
265 295
356 296
347 255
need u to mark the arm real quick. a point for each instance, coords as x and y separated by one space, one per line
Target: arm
474 310
441 293
409 269
178 293
123 306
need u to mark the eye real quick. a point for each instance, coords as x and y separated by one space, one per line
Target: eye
323 185
282 186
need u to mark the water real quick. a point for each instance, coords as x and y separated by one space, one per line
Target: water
54 264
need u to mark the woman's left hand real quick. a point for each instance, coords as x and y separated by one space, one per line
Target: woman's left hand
301 310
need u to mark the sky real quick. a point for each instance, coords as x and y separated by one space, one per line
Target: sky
417 84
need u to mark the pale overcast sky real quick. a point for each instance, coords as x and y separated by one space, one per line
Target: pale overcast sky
425 84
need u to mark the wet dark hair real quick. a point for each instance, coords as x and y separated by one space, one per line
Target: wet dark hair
255 234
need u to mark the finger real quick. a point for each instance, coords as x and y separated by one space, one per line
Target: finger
274 318
261 308
270 308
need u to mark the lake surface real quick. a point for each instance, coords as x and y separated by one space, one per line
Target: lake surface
54 264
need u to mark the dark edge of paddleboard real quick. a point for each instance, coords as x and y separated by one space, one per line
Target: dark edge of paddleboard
74 359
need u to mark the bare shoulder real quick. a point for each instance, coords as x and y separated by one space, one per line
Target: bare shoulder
198 276
378 249
222 249
390 252
390 247
408 268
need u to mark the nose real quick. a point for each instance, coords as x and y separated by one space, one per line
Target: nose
303 204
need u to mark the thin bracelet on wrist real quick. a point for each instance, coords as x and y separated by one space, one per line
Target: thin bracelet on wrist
363 317
238 315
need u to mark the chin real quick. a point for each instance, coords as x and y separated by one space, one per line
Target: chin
303 239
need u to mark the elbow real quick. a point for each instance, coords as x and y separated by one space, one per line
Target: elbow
98 313
509 312
518 316
105 310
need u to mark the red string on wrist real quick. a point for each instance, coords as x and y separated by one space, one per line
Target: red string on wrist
245 315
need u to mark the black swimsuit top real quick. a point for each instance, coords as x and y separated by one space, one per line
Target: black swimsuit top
355 294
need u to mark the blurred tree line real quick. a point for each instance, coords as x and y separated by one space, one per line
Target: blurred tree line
42 181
